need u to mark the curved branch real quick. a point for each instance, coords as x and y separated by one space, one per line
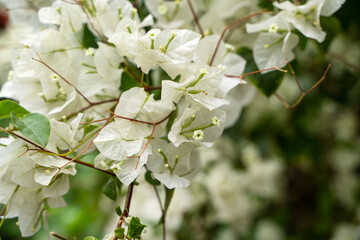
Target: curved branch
229 27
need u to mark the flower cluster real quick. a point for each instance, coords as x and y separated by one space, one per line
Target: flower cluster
95 77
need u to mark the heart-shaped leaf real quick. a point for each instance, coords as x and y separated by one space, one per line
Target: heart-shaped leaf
34 126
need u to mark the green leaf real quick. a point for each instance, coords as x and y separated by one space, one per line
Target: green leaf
128 82
110 189
135 228
169 193
118 210
150 179
332 26
8 106
89 128
88 38
120 232
90 238
171 119
303 40
266 4
266 83
34 126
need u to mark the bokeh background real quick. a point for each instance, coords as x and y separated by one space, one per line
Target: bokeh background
278 174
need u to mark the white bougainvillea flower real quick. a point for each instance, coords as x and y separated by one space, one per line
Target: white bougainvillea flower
196 125
330 7
275 42
306 17
113 145
202 85
38 88
69 17
170 14
238 92
172 166
100 75
170 49
25 185
119 155
138 104
109 13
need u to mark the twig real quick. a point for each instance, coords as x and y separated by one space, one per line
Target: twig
259 71
135 2
3 210
125 213
92 24
90 106
57 236
161 207
303 94
229 27
195 18
69 83
41 149
86 148
154 125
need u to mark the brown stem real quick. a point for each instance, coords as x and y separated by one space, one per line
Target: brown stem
3 210
229 27
69 83
131 72
45 150
258 71
57 236
92 24
90 106
135 2
125 213
303 94
197 22
161 207
21 137
86 148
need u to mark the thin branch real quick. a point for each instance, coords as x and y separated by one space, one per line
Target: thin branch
92 24
57 236
21 137
161 207
3 210
125 213
259 71
303 94
43 150
86 148
135 2
152 133
197 22
131 72
69 83
229 27
90 106
296 80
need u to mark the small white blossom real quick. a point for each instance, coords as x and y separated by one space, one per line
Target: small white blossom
215 121
273 28
115 168
90 52
198 135
162 9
